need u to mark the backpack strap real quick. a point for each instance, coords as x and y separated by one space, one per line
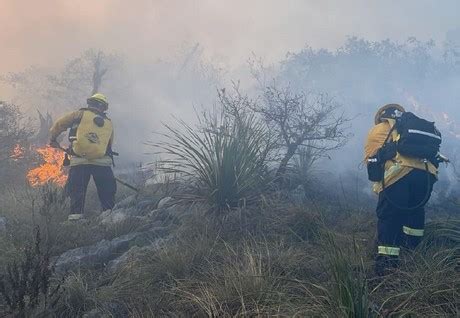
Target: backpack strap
390 133
73 129
95 111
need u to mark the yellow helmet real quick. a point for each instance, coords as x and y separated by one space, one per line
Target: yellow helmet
385 109
100 98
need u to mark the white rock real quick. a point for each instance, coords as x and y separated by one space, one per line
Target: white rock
112 217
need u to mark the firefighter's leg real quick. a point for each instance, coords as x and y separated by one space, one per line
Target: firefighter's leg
76 187
106 186
389 226
388 246
420 192
413 228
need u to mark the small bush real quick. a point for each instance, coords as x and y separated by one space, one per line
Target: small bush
26 286
225 159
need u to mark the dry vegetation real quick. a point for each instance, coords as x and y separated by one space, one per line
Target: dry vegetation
238 241
237 246
272 259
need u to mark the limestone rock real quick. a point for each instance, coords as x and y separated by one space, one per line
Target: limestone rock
101 253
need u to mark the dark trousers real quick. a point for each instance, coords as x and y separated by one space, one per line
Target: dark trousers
77 185
401 216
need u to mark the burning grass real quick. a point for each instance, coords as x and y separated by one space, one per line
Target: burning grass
51 171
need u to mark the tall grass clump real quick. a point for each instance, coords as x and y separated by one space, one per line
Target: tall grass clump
447 232
224 158
427 284
250 279
349 290
78 295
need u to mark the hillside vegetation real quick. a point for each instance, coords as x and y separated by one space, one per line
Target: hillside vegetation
231 239
240 217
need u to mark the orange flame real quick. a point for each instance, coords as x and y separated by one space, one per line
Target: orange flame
51 171
17 153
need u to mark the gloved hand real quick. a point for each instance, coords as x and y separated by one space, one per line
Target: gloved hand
54 144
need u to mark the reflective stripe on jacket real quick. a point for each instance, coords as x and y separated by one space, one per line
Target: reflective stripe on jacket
398 167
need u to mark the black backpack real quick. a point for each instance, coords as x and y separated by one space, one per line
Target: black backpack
419 138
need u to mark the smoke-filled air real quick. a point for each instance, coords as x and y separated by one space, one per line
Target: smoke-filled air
229 158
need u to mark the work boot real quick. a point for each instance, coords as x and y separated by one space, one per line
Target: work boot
75 217
385 264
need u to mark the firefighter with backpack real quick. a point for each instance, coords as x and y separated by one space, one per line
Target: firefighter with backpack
91 138
402 156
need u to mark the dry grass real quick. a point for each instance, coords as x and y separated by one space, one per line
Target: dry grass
243 270
426 285
276 259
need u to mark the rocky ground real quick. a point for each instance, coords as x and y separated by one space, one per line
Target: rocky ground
155 255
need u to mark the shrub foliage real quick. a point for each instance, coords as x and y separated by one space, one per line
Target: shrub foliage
225 157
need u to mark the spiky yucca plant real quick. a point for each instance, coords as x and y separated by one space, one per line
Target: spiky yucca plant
224 158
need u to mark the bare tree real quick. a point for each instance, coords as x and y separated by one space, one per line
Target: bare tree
80 77
64 89
99 71
300 120
42 136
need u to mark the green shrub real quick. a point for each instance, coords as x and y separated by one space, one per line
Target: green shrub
224 159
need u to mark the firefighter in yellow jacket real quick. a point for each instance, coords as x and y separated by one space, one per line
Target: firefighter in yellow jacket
403 193
91 138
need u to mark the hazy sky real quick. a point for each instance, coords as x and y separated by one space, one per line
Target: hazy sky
47 32
51 32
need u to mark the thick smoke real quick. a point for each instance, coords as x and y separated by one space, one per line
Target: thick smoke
48 32
174 54
364 75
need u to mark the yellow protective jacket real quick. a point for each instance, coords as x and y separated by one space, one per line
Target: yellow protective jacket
399 166
68 121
